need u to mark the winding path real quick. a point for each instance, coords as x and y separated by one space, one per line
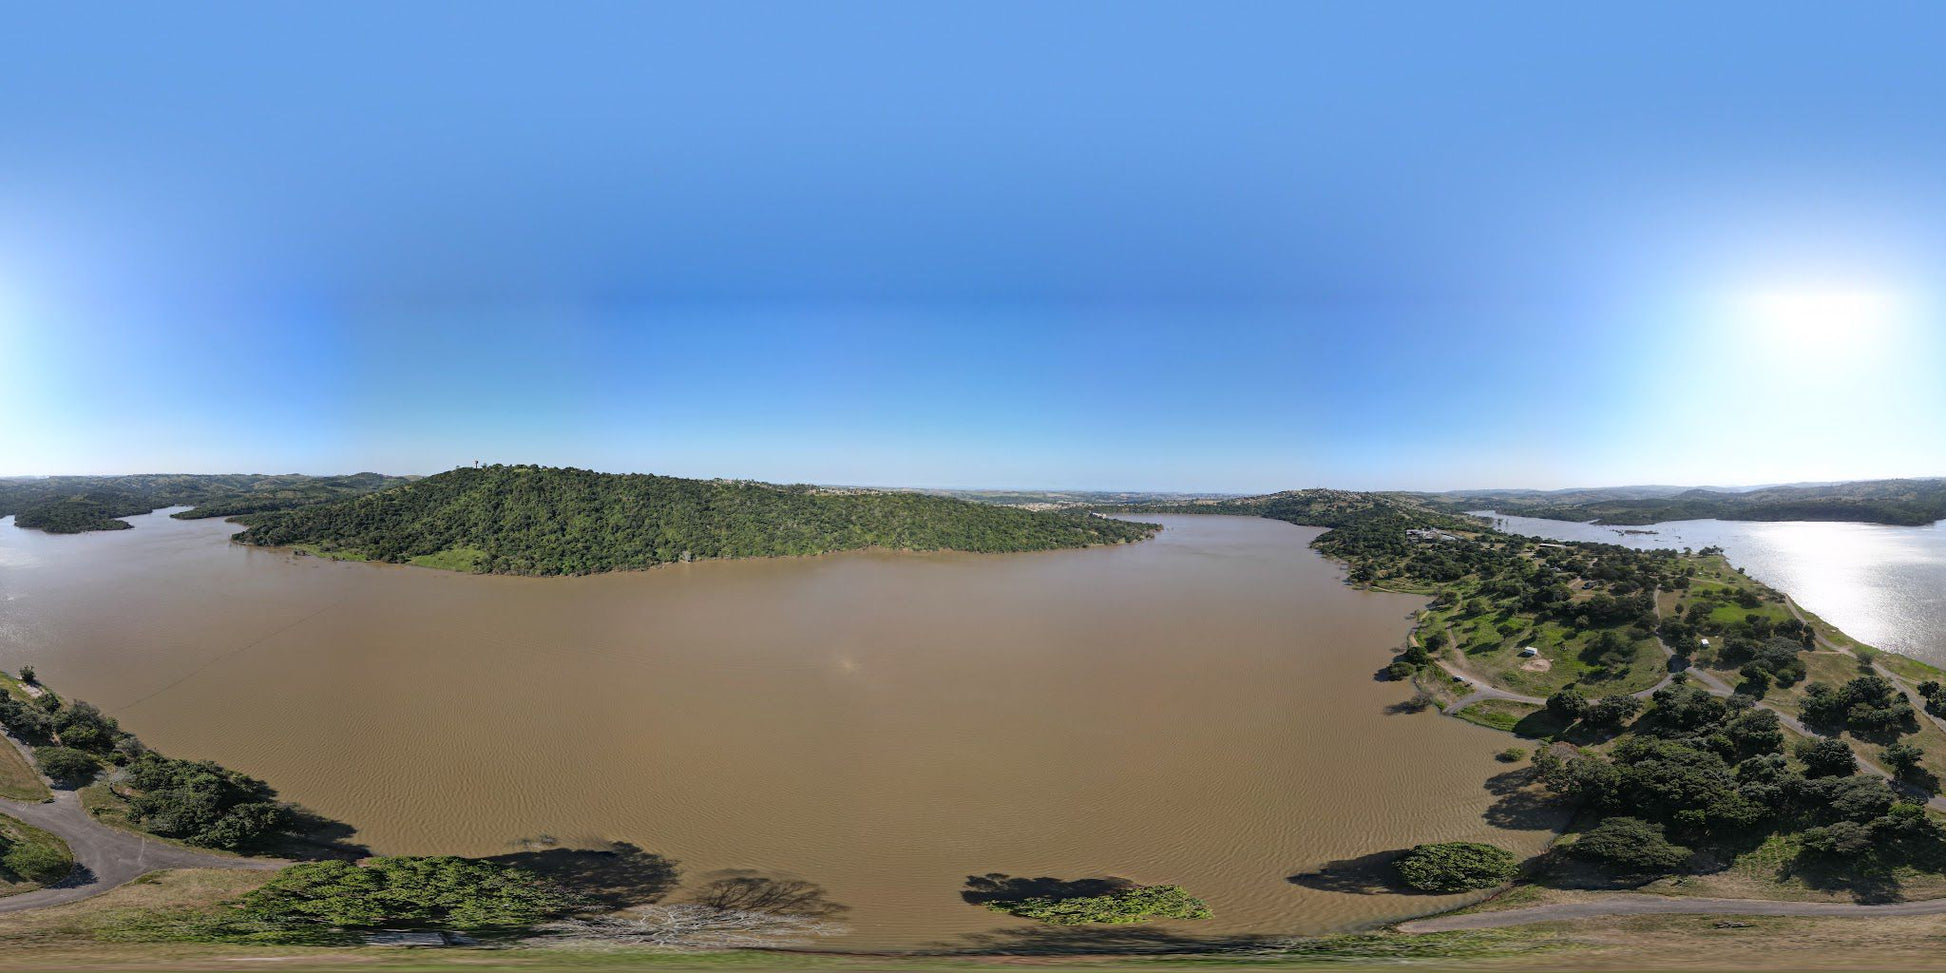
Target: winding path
104 856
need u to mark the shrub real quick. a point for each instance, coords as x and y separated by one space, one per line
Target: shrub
1630 847
37 862
1511 755
1137 903
66 765
204 803
440 892
1456 866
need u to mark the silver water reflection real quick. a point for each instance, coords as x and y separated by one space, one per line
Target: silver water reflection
1885 585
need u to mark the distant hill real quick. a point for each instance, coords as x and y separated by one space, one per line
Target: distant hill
72 504
1904 502
544 520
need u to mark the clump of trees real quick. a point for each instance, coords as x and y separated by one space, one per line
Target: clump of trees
204 803
1134 903
408 892
1869 706
1630 847
1605 715
1456 866
1700 771
197 801
66 765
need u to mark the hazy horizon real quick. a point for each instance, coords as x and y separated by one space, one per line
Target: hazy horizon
1082 246
1006 488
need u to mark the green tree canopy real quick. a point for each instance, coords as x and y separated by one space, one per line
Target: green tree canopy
1457 866
439 892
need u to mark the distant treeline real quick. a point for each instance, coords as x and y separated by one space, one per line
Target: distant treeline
543 520
72 504
1902 502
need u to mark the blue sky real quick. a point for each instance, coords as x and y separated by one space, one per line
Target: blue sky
1190 246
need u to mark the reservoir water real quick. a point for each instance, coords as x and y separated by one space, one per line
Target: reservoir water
1883 585
1199 709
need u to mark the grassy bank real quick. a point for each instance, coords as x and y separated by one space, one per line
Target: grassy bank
150 926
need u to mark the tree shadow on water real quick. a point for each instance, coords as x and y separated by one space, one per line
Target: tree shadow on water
744 890
1001 887
1521 804
617 876
1371 874
313 837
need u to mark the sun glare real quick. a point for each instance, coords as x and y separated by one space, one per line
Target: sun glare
1836 322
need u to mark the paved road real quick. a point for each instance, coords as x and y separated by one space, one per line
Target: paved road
1640 905
104 857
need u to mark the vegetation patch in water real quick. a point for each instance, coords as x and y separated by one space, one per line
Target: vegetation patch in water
1136 903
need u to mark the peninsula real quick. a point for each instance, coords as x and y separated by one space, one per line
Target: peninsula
547 521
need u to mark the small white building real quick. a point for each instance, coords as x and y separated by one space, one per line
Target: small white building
1529 652
1706 643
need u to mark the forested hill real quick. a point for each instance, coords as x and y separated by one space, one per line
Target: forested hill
1907 502
72 504
542 520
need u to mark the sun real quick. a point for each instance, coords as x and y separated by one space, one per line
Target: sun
1821 324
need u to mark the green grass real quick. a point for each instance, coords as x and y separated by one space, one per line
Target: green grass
18 780
1508 716
21 835
467 559
329 555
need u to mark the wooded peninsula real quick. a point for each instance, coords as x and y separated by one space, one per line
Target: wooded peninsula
547 521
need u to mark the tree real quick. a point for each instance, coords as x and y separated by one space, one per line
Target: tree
1904 759
1826 758
1568 704
1611 713
27 675
439 892
66 765
1630 847
1456 866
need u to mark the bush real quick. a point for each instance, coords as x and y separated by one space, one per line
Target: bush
37 862
1137 903
1457 866
1511 755
66 765
438 892
204 803
1630 847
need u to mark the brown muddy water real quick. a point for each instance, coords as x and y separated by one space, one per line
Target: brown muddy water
1198 709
